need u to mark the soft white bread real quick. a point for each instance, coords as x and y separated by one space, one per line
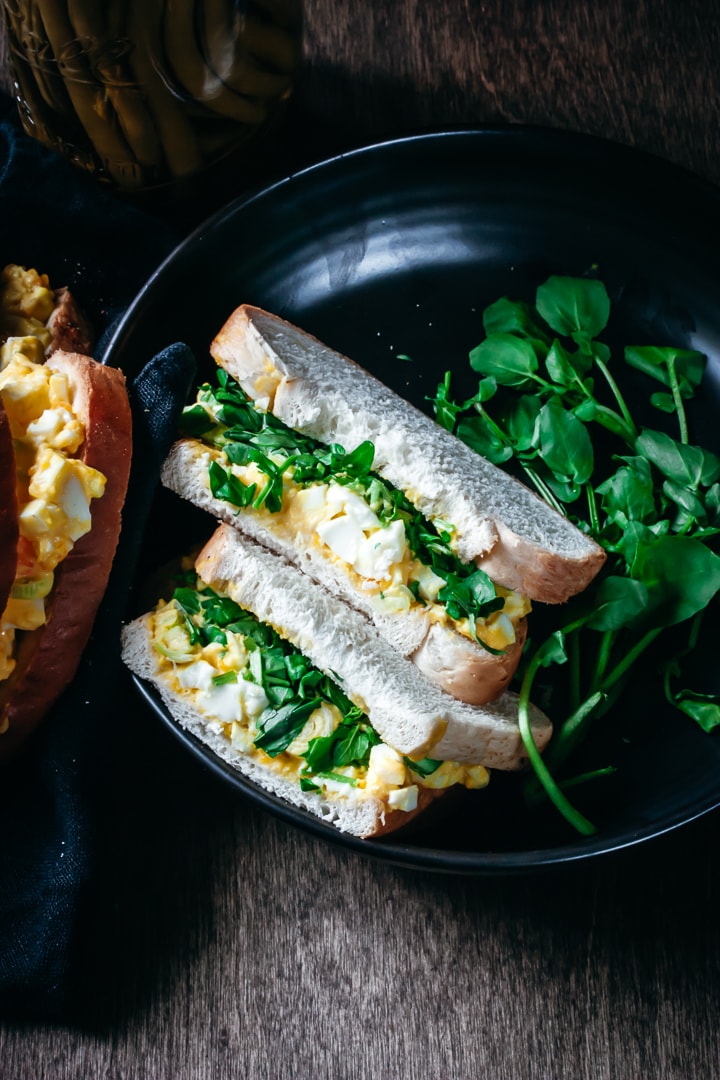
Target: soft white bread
500 524
457 664
408 712
354 811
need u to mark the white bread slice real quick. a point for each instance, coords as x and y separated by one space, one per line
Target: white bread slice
500 524
455 663
407 711
355 812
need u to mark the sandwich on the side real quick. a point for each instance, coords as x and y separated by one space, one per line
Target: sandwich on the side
310 455
296 690
65 448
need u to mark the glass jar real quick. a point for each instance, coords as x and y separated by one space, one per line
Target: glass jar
149 94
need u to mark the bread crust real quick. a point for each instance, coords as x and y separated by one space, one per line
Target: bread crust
8 510
501 523
47 658
70 329
465 670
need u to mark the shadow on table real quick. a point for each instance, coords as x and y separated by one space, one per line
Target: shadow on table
183 859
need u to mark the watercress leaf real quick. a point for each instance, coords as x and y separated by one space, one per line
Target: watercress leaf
507 316
703 708
508 359
423 766
196 421
226 486
687 500
618 602
712 503
566 491
318 755
338 778
487 388
279 727
353 746
306 784
664 402
587 410
629 494
552 650
690 367
654 360
564 367
600 351
445 407
474 595
357 462
636 536
575 307
688 465
565 446
680 574
520 419
484 439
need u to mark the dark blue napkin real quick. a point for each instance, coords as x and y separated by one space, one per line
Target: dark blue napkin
63 224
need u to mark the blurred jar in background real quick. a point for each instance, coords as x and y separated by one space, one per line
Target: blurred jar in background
151 95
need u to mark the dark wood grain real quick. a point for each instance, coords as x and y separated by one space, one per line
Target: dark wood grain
220 943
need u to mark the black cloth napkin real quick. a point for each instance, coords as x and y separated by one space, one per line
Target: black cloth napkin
64 224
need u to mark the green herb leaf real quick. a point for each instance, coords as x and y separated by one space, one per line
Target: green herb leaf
306 784
629 494
225 678
578 308
691 466
514 317
565 445
619 602
350 780
510 360
474 596
703 708
224 485
423 767
654 361
196 421
520 419
681 576
484 440
279 727
552 650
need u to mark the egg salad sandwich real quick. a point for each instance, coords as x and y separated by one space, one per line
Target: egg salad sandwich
307 453
65 448
284 681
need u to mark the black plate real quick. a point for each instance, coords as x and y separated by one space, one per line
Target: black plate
395 249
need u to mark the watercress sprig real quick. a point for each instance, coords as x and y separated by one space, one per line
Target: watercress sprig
549 400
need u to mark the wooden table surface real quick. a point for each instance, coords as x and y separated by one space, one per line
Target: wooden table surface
226 944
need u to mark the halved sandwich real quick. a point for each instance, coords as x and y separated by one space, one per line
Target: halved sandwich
297 690
304 451
65 449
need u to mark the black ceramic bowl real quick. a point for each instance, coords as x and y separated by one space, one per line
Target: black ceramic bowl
396 249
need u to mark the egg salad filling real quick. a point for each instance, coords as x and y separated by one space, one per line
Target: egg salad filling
257 691
319 494
54 488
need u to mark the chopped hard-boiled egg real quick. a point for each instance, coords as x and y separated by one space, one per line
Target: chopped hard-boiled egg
219 681
26 304
377 553
54 487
